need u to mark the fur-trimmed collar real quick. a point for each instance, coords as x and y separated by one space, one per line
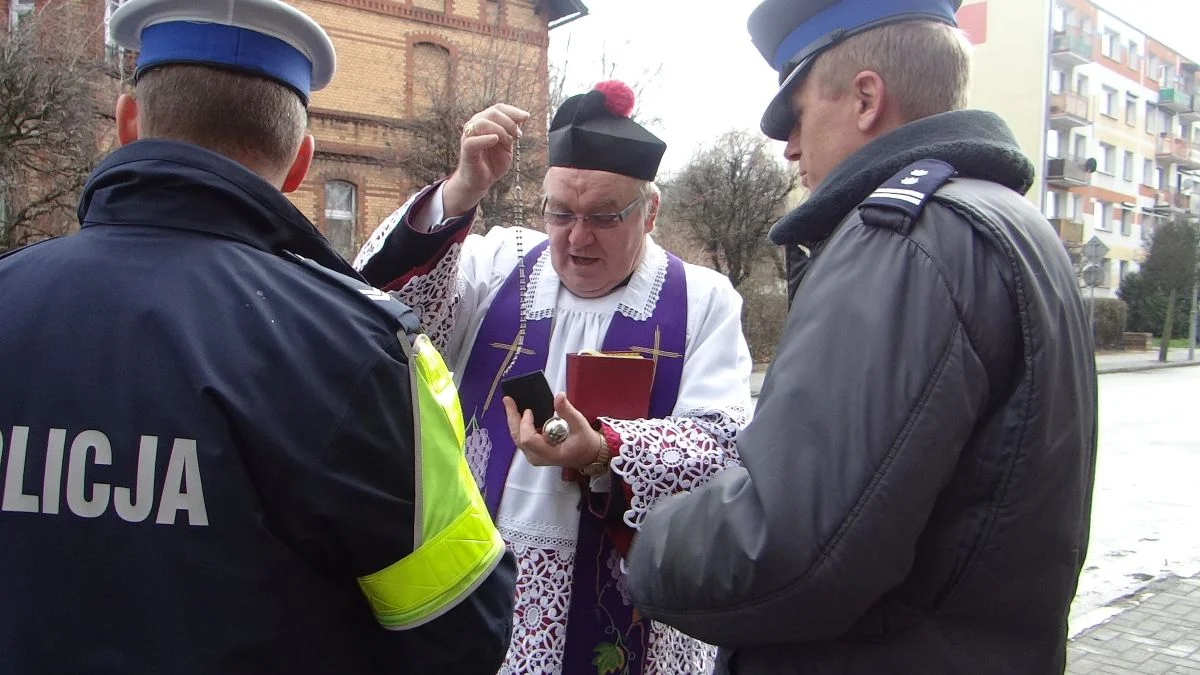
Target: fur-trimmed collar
978 144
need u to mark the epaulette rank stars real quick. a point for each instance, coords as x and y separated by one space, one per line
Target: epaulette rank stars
898 203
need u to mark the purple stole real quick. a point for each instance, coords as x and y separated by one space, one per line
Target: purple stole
601 626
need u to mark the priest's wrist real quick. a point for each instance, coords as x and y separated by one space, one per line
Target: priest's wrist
599 464
457 198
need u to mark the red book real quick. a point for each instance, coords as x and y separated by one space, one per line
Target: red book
614 384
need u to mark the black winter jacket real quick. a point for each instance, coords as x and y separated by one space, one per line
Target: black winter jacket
917 478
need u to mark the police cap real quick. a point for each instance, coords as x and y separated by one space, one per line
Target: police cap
264 37
790 34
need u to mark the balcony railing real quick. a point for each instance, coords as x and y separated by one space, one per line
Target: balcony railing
1175 100
1071 42
1070 104
1069 229
1172 199
1067 171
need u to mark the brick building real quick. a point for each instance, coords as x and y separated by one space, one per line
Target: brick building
398 60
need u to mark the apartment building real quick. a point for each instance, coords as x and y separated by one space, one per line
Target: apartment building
1111 111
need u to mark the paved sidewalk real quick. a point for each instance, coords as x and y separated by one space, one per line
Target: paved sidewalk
1127 362
1158 633
1112 362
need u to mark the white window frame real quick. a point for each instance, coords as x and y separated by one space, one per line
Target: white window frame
17 10
341 215
1108 159
1108 102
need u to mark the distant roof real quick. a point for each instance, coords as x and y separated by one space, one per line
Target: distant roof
563 11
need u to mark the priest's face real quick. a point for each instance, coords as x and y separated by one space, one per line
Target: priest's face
597 222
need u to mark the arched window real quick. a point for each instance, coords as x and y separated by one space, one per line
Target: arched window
341 215
431 77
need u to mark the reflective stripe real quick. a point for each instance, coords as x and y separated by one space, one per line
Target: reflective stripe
456 544
423 586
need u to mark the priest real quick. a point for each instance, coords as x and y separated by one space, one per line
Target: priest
517 301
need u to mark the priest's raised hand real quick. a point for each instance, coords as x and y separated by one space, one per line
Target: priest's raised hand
485 154
580 449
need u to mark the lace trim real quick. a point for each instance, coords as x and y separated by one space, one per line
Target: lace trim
539 633
672 653
541 535
647 309
380 235
659 458
434 297
529 302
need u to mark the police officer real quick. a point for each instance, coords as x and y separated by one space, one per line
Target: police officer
222 452
917 478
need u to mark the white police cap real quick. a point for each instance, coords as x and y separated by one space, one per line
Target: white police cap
264 37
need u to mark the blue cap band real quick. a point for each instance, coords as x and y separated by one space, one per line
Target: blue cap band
849 15
229 46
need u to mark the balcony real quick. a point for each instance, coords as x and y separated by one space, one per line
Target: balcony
1175 100
1069 110
1175 150
1167 201
1070 48
1066 173
1069 229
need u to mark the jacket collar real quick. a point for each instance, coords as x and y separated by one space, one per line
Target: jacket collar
976 143
160 183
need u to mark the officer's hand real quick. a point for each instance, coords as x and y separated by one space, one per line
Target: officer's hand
485 154
580 449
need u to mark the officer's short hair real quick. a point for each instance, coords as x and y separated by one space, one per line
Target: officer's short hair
926 66
255 121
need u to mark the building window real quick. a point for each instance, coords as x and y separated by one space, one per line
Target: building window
341 210
432 5
1108 102
1081 85
1106 273
1124 271
1152 67
1080 143
1127 167
1148 173
1149 118
18 10
1109 44
493 12
1108 159
431 73
1134 56
1102 216
1131 108
1126 222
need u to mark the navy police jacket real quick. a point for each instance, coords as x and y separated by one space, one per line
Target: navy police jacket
206 444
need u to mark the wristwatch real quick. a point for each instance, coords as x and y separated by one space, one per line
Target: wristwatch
599 466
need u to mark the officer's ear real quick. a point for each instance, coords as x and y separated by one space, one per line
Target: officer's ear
300 166
127 119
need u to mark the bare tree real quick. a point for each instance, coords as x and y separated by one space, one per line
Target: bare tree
49 124
727 198
493 71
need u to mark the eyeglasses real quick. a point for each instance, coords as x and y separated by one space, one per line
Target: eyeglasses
600 221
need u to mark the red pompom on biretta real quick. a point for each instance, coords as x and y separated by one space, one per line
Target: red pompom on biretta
618 97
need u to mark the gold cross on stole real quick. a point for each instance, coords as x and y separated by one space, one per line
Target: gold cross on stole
655 351
513 350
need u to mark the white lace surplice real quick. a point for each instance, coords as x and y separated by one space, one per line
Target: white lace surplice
538 514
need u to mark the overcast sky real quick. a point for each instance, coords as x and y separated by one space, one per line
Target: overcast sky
712 78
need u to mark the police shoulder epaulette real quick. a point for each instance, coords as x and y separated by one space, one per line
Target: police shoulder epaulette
379 299
898 203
